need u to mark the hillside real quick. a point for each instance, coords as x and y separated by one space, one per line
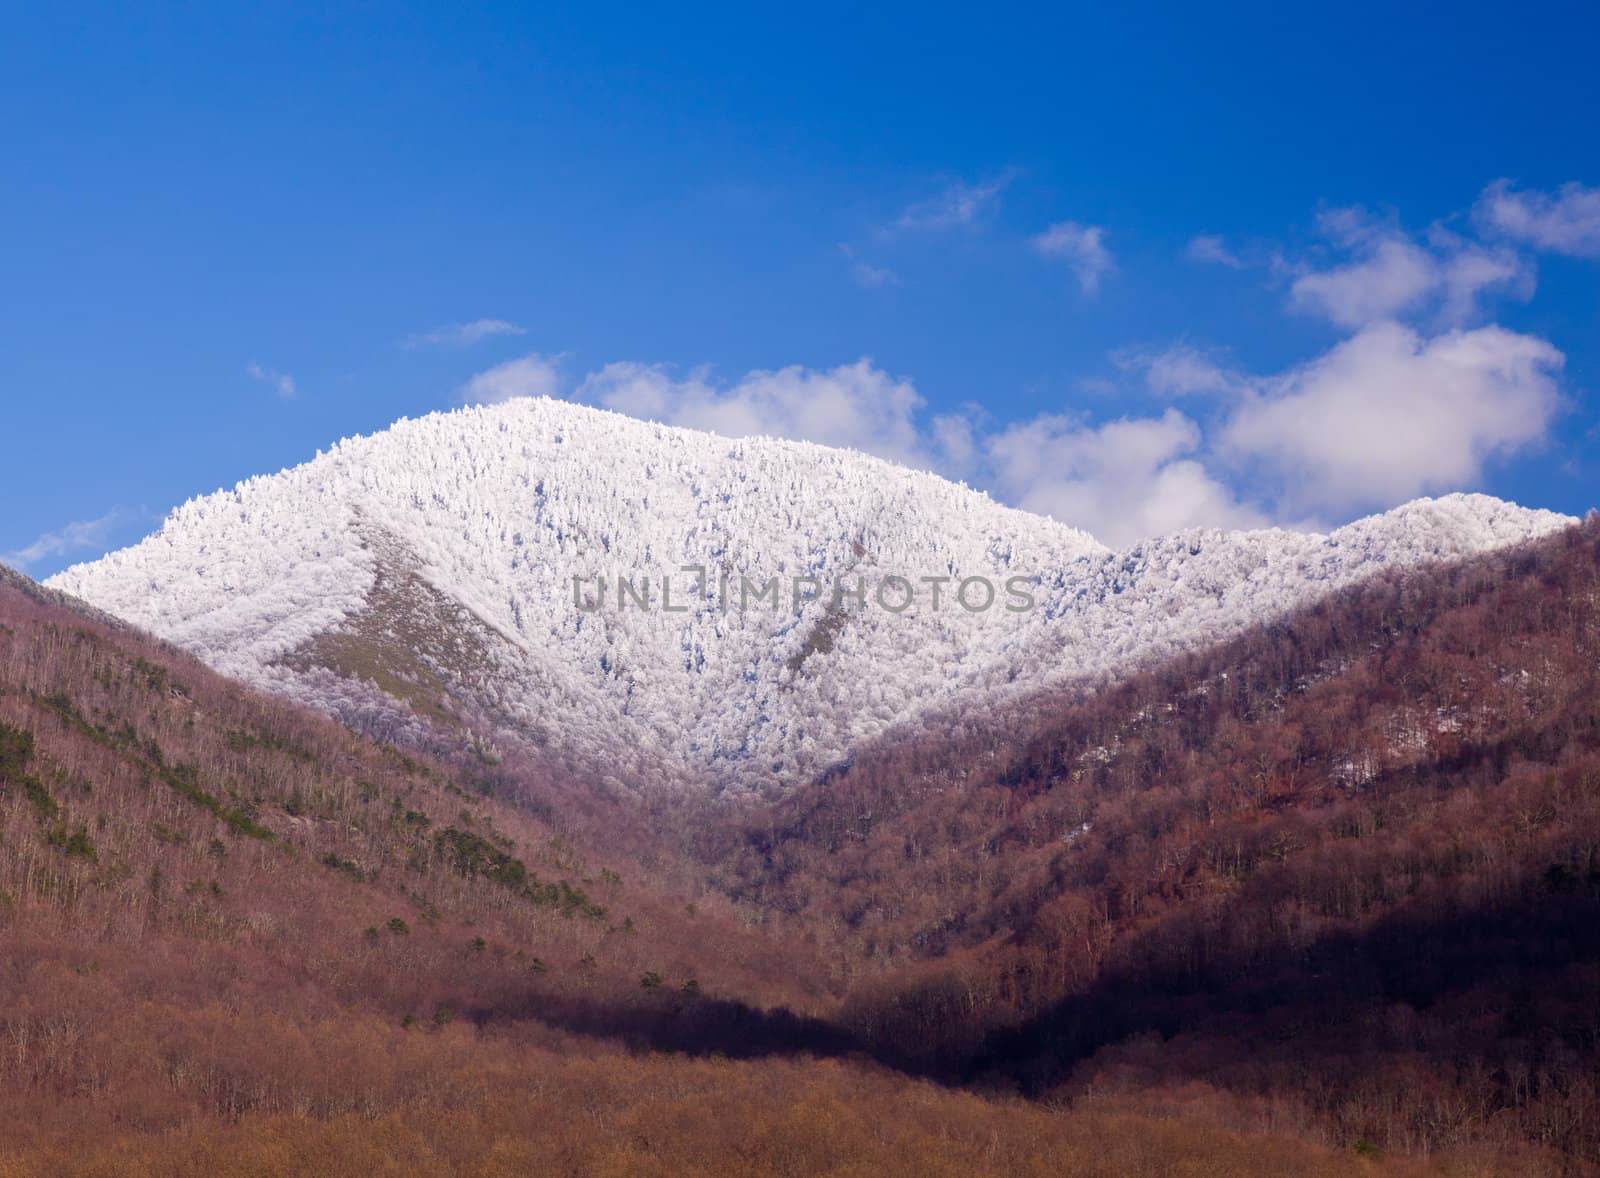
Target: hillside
1344 868
420 584
238 940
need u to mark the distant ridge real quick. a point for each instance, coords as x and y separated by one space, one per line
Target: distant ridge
421 580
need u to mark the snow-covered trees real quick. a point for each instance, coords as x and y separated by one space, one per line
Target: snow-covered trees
498 509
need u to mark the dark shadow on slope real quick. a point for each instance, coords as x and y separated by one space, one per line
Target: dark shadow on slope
1504 994
693 1024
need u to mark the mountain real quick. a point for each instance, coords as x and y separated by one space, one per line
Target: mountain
1321 898
432 579
1344 867
238 939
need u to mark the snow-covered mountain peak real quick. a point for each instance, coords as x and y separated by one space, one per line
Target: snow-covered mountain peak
452 566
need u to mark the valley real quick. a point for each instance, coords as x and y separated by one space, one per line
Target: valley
1320 892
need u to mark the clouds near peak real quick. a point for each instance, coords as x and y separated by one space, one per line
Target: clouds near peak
1382 417
1389 414
853 405
1121 481
533 375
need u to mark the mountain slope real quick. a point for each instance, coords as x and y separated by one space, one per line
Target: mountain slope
426 574
236 939
143 798
1345 866
1337 879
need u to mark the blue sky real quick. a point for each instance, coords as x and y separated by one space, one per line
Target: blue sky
1139 268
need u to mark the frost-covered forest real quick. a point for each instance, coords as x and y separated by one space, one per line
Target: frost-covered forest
457 538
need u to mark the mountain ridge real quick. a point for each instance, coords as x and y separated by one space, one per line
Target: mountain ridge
495 519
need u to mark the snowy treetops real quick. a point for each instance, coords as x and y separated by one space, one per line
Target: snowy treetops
502 510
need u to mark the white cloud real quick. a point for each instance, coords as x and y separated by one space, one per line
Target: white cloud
1122 481
463 335
1469 270
1210 248
1388 415
955 440
1392 274
957 205
533 375
76 536
855 405
280 382
1567 222
1081 247
1179 371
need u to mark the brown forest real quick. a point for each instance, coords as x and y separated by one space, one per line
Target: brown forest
1325 898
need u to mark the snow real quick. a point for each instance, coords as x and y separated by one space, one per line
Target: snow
498 508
